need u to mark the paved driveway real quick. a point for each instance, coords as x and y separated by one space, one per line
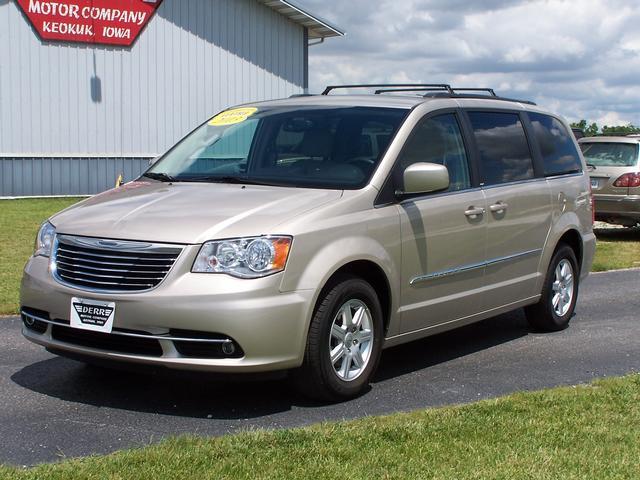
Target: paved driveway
51 408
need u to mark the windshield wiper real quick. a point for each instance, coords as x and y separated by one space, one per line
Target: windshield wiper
591 166
228 179
163 177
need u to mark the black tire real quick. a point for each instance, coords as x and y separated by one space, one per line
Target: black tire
317 378
543 315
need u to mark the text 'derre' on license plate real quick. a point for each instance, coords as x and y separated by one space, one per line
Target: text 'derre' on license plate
92 314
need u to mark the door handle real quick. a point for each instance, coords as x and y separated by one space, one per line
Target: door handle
498 207
474 212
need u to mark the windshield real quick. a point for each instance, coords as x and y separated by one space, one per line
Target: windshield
602 154
317 147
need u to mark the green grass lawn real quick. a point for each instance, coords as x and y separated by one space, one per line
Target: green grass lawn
20 219
584 432
617 248
19 223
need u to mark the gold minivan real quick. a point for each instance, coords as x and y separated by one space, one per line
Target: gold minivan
614 169
307 234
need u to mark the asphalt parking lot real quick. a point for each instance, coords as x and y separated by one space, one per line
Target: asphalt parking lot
52 408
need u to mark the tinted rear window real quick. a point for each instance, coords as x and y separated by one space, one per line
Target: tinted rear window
558 151
605 154
503 147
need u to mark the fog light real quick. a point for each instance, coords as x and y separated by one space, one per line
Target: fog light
228 348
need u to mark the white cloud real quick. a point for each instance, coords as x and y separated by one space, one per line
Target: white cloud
581 59
611 118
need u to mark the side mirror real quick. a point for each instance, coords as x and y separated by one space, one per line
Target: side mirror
425 178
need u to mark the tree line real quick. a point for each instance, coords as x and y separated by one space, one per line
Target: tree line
592 129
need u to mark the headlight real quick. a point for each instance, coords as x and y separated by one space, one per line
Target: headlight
250 257
44 240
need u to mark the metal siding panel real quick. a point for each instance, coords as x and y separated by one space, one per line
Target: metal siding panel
127 170
113 170
185 72
112 173
84 176
36 175
57 176
4 182
102 169
192 60
4 71
69 176
126 121
27 175
140 168
93 178
235 72
225 81
65 174
7 176
247 49
9 51
192 78
60 185
16 175
40 176
76 174
47 175
250 39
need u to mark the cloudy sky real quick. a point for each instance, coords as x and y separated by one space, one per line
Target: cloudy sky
579 58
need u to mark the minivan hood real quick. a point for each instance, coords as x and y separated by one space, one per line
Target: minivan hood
188 212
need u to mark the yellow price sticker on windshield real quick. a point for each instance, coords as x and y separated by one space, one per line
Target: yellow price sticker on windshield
230 117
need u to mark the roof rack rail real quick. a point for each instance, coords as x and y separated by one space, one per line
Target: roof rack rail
442 86
432 90
474 96
415 89
490 91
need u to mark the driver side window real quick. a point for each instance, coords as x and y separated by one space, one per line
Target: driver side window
437 140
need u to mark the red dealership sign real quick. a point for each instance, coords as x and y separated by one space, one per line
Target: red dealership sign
111 22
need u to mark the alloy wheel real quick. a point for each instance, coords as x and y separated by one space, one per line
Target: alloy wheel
563 288
351 340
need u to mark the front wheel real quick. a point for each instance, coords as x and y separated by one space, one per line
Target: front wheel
344 342
559 293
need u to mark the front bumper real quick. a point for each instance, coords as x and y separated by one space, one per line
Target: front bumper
269 326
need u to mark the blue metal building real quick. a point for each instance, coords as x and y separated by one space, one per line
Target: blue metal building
73 117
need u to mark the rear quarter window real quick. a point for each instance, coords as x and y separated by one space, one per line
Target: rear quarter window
559 153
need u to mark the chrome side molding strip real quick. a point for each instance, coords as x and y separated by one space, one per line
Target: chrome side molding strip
470 267
446 273
136 335
513 257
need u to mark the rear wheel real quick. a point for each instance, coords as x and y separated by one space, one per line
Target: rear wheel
559 293
344 342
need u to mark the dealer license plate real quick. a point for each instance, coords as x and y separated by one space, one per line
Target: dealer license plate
92 314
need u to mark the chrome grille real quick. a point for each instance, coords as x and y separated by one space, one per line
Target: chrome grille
111 265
